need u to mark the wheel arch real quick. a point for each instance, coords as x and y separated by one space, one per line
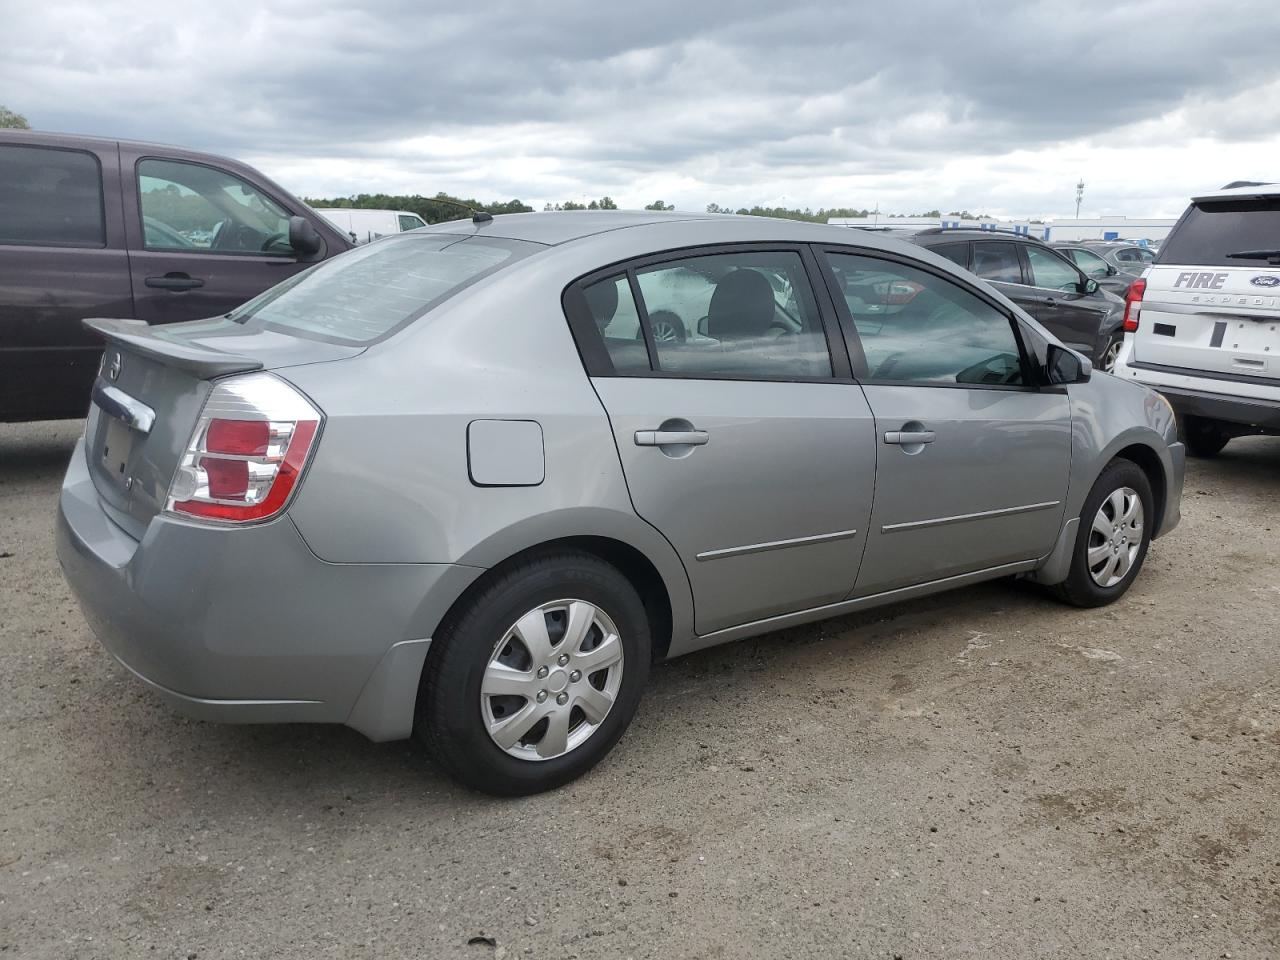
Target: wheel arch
1150 463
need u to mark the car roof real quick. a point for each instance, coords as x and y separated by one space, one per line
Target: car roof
943 234
78 139
561 227
1241 193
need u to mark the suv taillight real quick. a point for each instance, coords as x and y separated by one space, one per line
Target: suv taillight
1133 305
246 453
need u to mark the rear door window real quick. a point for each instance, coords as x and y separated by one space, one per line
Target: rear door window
1212 230
50 197
744 315
370 292
409 222
997 260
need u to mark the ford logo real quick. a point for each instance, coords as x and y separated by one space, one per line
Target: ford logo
1266 280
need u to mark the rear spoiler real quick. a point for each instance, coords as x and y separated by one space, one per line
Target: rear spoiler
137 336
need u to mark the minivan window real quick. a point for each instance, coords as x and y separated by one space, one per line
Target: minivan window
1214 228
189 206
50 197
370 292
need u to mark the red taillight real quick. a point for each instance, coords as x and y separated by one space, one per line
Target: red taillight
247 452
247 437
1133 305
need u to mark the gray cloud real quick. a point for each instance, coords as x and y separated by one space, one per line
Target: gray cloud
600 97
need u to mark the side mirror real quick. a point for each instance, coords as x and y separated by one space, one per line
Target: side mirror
1111 271
1087 286
1063 366
303 237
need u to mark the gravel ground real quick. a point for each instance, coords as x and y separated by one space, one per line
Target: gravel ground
983 774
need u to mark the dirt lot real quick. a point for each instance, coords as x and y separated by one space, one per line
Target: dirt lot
985 774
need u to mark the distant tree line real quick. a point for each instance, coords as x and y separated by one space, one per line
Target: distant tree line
435 209
445 206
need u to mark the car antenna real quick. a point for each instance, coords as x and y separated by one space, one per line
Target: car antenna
477 216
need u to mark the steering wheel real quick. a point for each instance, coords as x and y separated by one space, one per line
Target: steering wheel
273 239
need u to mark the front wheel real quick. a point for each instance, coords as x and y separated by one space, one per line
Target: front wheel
536 678
1113 537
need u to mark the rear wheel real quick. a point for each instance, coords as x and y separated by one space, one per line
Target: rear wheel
1112 540
534 681
1204 438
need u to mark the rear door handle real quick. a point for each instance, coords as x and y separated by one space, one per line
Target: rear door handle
661 438
904 438
175 281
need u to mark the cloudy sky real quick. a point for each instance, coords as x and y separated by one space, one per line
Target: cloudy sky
993 105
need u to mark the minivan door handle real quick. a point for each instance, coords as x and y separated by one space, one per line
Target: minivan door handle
175 281
906 438
662 438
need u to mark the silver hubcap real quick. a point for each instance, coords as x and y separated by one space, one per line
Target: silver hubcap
1116 537
1111 355
551 680
664 332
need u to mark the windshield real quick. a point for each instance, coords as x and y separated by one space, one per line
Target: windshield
370 292
1214 228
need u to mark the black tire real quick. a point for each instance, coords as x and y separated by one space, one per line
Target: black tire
449 719
1204 438
1080 589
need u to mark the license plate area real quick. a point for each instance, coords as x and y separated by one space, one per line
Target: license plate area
116 451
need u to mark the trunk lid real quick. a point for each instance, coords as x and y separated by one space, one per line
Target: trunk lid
1219 320
149 393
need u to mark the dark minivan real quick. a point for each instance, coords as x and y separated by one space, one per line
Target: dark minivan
91 227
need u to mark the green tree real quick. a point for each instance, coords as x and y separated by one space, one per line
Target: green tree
435 209
659 205
12 120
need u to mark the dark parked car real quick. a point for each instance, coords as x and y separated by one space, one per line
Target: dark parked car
91 227
1093 264
1041 281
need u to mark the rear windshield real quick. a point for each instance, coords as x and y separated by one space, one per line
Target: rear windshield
370 292
1212 229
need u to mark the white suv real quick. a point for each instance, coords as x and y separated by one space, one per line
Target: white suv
1203 324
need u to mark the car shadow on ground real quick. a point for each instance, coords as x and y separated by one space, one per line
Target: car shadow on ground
307 764
30 451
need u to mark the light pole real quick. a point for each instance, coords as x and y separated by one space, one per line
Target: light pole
1079 197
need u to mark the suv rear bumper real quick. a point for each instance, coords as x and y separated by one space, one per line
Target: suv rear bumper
1263 414
1251 401
246 624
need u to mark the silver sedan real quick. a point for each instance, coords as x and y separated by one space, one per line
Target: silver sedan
468 483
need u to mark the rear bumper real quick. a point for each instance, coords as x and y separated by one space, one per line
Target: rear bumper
248 625
1263 414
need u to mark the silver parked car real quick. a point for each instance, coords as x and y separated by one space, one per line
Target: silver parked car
454 484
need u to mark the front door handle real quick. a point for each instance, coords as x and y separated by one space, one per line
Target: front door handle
906 438
662 438
175 281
